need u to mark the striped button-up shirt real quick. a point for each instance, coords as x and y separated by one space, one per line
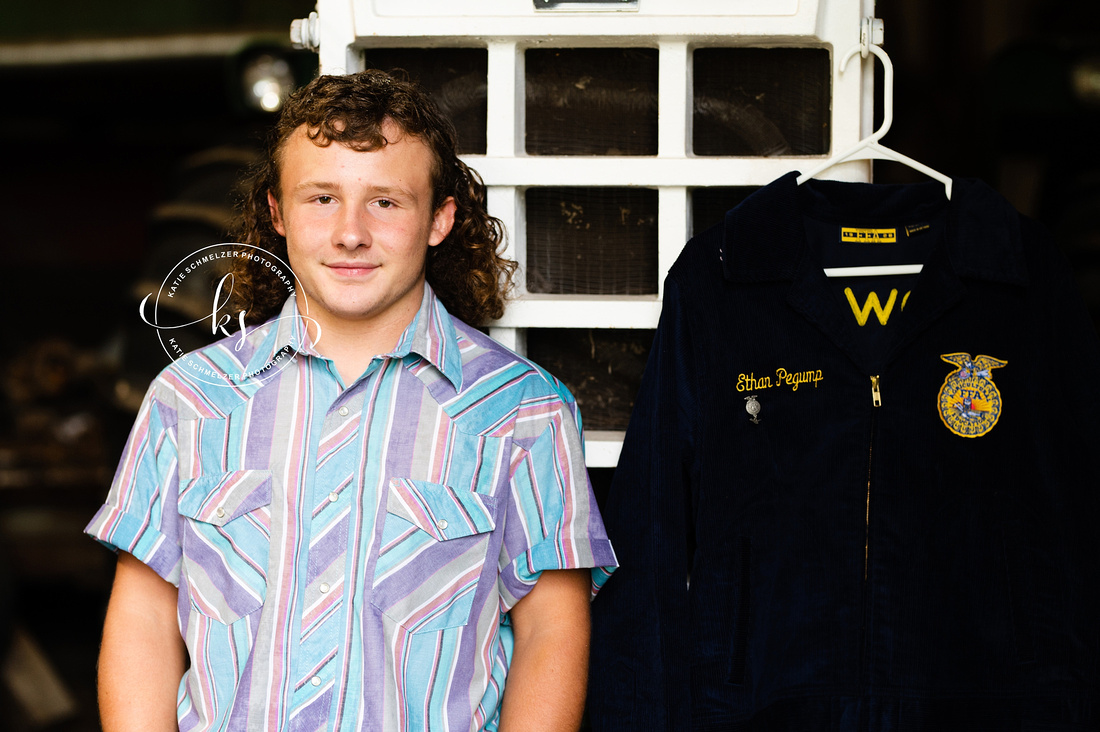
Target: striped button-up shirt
346 557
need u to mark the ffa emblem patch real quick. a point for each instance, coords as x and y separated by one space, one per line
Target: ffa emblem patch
969 400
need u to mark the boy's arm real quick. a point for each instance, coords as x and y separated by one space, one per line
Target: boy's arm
142 658
548 676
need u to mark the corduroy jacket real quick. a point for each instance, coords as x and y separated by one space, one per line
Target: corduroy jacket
887 525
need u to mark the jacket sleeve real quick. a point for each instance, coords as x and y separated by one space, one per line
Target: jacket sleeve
640 677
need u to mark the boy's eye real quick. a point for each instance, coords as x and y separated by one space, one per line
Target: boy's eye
324 199
384 203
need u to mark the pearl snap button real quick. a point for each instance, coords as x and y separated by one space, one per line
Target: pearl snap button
316 681
324 587
220 512
334 496
343 411
442 524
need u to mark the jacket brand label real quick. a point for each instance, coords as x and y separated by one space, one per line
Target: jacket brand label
969 401
852 235
782 377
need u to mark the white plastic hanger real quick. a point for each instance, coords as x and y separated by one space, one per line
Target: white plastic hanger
869 148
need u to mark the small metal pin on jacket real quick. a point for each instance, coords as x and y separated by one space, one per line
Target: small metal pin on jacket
753 408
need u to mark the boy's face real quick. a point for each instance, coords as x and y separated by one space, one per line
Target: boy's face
358 226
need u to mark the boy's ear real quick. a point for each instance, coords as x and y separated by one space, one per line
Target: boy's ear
442 221
276 217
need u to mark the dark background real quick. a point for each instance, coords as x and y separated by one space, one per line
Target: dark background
98 156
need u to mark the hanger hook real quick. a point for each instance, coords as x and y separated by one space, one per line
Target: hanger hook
887 83
869 146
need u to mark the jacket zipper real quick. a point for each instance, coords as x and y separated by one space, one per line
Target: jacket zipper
876 401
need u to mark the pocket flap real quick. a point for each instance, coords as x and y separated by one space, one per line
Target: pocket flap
216 499
440 510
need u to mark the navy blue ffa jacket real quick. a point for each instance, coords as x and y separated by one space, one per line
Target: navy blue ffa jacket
859 503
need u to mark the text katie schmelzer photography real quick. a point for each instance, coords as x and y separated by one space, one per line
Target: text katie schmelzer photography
201 263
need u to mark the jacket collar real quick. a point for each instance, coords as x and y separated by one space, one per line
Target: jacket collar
764 239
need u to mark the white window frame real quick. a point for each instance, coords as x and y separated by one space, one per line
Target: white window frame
507 28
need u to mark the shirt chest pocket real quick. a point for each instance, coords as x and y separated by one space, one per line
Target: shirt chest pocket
434 543
226 541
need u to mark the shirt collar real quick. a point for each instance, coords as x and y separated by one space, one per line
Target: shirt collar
431 336
275 342
764 237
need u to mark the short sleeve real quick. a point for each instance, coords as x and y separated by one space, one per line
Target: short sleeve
133 517
553 521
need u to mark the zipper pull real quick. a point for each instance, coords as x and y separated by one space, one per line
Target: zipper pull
876 395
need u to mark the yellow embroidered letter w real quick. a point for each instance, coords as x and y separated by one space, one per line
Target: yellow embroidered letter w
872 303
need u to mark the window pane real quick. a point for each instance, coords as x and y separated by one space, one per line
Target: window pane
591 101
761 101
456 80
592 241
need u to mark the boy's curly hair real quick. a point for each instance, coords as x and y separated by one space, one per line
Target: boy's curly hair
466 269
